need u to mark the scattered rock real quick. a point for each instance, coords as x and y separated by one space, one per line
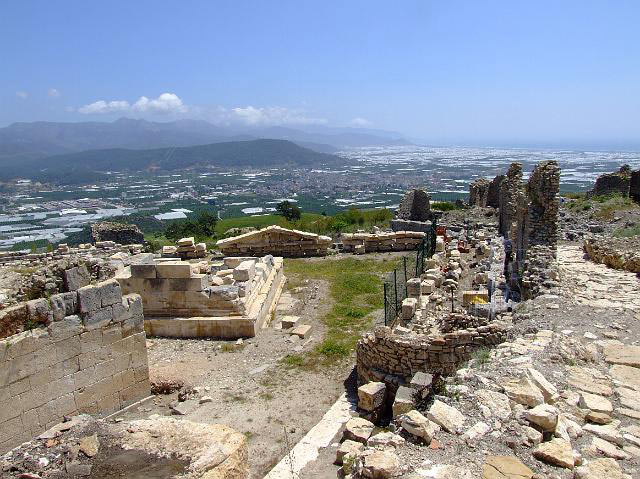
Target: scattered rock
358 429
371 396
89 445
608 432
595 403
381 465
418 425
497 403
543 415
347 447
549 391
600 446
479 429
385 439
556 452
600 469
447 417
523 392
505 467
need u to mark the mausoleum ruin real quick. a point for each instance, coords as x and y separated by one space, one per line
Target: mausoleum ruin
232 298
414 212
277 241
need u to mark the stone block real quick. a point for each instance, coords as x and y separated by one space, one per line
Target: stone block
189 241
68 348
232 262
371 396
147 271
98 318
175 269
414 287
301 331
58 308
39 311
89 299
245 271
427 286
68 327
76 278
409 308
110 293
290 321
403 402
197 282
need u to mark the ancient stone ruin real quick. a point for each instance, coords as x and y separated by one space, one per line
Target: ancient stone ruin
493 193
414 212
277 241
85 353
118 233
360 243
479 192
232 298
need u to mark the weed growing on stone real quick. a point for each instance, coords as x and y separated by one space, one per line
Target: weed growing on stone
481 357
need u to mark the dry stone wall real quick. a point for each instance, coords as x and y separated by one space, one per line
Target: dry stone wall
372 242
543 206
88 356
389 357
277 241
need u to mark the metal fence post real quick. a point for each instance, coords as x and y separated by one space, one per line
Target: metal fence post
385 303
395 287
406 291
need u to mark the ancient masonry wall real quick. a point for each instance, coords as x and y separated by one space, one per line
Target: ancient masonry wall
509 198
634 186
277 241
371 242
479 192
493 194
542 190
91 358
388 357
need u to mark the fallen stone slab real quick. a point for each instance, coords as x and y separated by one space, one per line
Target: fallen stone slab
505 467
289 321
422 383
590 380
600 469
608 432
381 465
600 446
556 452
403 402
549 391
595 402
385 439
358 429
347 447
447 417
543 415
523 392
419 426
497 403
302 331
625 355
626 375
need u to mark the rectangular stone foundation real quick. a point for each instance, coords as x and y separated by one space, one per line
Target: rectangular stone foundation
224 327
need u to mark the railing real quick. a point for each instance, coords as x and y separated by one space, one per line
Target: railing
411 266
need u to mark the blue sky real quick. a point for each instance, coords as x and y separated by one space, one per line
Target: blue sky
449 72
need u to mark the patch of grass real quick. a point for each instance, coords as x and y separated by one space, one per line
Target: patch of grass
444 206
481 356
604 207
293 360
627 232
231 347
267 396
356 288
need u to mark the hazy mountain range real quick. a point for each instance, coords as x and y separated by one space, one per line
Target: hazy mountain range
21 141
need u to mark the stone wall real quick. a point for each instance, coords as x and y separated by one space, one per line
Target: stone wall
612 183
89 355
634 186
277 241
509 198
493 194
382 353
617 253
415 206
479 192
119 233
542 190
372 242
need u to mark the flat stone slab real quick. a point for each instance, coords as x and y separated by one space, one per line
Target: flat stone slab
627 375
626 355
302 331
289 321
505 467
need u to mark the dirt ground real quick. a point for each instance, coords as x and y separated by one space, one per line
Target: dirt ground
247 386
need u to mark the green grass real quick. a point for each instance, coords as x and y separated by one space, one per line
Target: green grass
627 232
444 206
603 207
356 290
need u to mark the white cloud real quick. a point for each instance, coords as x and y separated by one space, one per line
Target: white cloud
274 115
165 103
22 94
358 121
102 106
53 93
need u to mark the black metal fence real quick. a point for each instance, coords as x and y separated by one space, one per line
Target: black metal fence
411 266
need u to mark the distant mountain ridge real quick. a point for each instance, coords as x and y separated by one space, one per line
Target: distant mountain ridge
26 141
92 165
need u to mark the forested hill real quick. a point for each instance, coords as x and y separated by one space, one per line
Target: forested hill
90 165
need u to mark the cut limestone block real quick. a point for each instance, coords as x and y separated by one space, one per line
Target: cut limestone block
244 271
147 271
290 321
371 396
413 287
358 430
409 308
186 241
403 402
427 286
174 270
347 447
301 331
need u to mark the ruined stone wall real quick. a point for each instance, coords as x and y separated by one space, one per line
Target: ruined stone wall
415 206
617 253
540 271
382 353
479 192
277 241
493 193
88 356
543 205
613 183
634 186
372 242
509 198
119 233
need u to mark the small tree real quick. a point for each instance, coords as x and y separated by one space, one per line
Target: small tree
290 211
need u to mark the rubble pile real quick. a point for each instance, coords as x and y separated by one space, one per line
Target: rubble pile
617 253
